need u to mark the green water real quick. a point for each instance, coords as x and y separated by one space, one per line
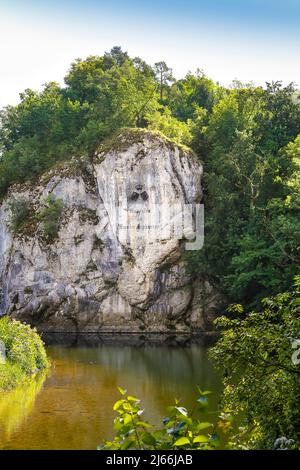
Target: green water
72 407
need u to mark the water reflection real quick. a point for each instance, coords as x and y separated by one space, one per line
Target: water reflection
74 410
16 406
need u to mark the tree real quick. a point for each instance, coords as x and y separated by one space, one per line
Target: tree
281 122
262 381
116 57
252 232
171 127
191 93
164 76
116 96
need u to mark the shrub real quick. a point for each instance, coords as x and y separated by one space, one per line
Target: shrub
24 350
19 212
50 216
182 429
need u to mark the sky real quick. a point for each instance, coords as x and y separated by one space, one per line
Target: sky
249 40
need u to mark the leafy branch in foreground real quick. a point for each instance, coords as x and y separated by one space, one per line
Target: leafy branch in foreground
182 429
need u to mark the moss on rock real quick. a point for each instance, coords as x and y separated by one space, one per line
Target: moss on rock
126 137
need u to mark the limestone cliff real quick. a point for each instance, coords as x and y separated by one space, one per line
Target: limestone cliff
112 266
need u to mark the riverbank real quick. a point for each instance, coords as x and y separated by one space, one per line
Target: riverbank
22 353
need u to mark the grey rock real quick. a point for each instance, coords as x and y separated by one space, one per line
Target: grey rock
116 264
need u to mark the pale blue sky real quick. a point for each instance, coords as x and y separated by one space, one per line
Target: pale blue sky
252 40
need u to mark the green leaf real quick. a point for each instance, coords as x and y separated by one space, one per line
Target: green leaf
122 391
144 424
127 406
126 445
131 398
118 404
118 425
127 418
200 438
182 441
149 439
201 426
203 392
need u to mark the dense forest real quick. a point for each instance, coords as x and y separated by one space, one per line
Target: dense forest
248 138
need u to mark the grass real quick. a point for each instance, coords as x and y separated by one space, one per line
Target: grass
25 353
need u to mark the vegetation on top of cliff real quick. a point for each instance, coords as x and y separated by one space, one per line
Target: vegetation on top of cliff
126 137
64 169
102 95
22 353
247 137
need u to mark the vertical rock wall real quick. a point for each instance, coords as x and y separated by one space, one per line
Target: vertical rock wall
116 264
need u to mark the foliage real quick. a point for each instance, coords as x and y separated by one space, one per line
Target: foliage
19 208
261 380
50 216
164 76
192 92
25 353
182 429
36 133
102 94
11 376
171 127
251 193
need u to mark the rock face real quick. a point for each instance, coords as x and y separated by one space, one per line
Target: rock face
116 264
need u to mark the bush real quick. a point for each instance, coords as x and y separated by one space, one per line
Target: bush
19 212
50 216
181 429
25 352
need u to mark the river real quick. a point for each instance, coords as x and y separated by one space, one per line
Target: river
71 407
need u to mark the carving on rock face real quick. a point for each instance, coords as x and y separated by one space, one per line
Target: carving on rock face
137 198
139 193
